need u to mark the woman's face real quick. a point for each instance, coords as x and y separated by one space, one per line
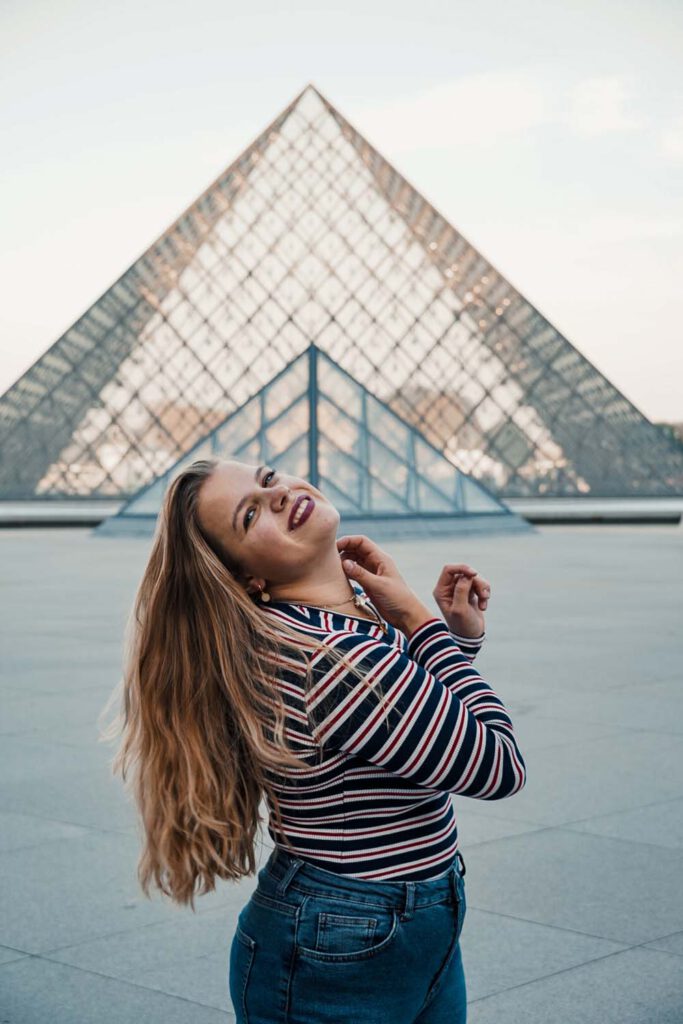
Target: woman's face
246 508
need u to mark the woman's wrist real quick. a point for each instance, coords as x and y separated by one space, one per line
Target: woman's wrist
463 634
413 618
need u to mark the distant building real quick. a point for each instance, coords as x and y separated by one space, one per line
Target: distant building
312 237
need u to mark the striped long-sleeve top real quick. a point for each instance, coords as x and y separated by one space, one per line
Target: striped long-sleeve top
375 800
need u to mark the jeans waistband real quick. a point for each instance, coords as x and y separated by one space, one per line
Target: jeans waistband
282 868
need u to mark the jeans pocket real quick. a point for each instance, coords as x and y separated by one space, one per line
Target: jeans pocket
242 953
341 931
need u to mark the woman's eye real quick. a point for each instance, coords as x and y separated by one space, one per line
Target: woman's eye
270 473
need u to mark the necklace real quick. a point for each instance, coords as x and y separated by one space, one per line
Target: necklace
359 600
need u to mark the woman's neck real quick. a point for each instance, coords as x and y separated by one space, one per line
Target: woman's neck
329 588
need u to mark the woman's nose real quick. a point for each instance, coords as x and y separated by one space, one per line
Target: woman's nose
280 494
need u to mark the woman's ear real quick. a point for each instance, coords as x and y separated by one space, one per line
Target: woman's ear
253 584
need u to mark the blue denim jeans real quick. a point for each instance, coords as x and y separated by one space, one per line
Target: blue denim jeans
315 947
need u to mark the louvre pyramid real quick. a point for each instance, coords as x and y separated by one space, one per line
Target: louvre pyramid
311 236
313 420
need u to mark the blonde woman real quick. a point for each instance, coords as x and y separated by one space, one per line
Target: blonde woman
268 659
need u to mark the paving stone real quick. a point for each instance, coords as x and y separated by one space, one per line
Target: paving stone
39 991
635 986
20 830
627 892
660 824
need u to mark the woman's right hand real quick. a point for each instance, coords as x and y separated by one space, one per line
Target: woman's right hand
364 561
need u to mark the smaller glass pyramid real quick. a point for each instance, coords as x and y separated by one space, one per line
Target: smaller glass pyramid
315 421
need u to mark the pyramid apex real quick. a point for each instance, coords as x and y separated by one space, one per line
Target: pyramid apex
311 87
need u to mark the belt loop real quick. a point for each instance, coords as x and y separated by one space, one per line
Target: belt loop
463 869
409 901
283 884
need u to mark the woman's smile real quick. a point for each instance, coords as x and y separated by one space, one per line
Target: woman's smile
301 510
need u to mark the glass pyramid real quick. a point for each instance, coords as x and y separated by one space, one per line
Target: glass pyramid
311 236
315 421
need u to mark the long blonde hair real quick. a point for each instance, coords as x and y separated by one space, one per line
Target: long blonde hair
201 715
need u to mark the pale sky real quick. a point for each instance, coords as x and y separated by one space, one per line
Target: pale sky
549 133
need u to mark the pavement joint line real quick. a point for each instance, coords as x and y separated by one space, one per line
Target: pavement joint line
122 981
616 839
536 826
562 970
22 952
556 927
62 821
649 942
48 953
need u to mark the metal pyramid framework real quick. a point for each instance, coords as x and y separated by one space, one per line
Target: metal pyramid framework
311 236
314 421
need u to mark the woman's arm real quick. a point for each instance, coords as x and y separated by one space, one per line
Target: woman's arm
462 596
470 646
436 649
447 729
417 613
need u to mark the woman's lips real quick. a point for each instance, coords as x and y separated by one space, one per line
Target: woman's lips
309 505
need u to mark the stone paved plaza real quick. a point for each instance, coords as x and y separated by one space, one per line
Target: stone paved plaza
574 885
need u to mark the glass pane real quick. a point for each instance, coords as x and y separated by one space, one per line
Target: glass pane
239 428
342 500
477 500
294 460
346 393
382 500
289 428
250 452
345 433
435 468
390 472
383 424
334 465
292 384
431 500
149 502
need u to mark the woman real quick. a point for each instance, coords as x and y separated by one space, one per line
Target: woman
263 664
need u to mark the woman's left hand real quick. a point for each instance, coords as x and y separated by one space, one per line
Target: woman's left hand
462 596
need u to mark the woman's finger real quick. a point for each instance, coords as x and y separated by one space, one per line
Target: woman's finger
451 570
368 560
355 545
357 542
455 567
364 551
461 592
366 577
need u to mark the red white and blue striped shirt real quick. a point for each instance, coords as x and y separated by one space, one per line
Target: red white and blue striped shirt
375 801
